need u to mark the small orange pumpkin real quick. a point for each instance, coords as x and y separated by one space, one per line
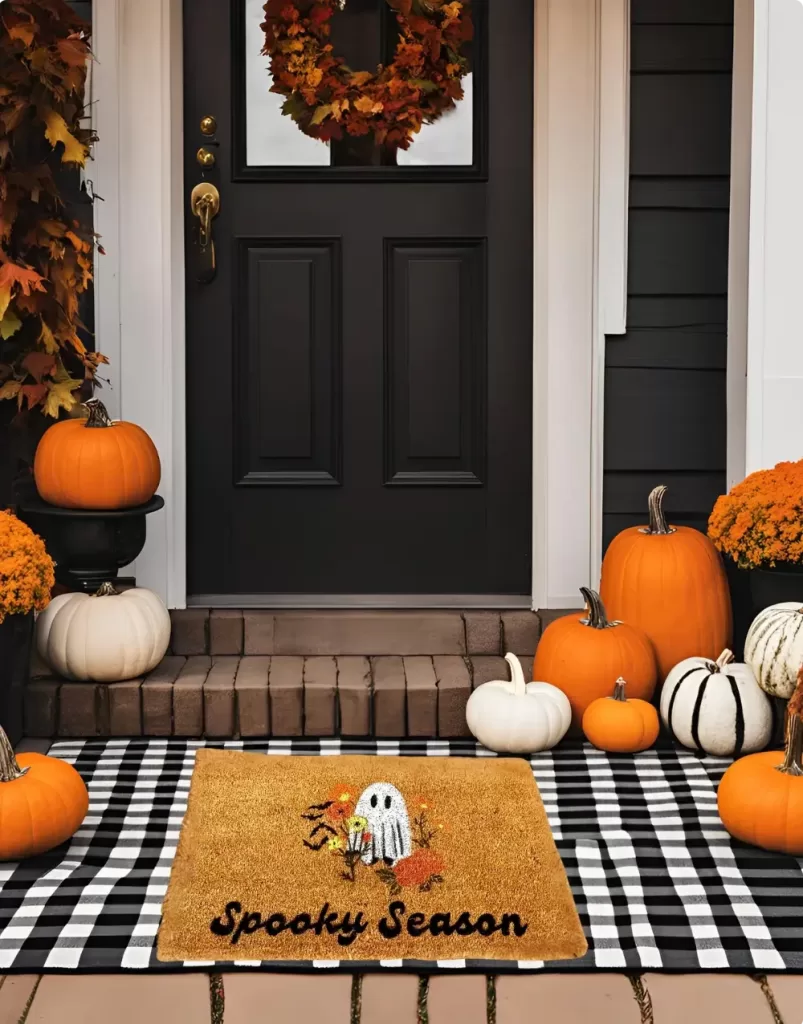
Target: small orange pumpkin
581 654
760 798
619 724
669 581
42 802
96 463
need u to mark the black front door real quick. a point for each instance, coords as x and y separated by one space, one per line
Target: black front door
359 369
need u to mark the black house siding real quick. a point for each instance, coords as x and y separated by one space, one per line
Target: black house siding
665 379
83 8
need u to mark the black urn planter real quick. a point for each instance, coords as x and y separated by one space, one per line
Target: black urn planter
16 638
89 546
753 590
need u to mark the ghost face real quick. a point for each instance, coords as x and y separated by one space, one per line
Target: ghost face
383 807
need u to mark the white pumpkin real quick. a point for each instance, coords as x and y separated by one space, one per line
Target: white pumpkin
106 637
512 717
774 648
716 707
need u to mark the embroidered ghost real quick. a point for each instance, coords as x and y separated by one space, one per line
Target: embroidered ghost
383 807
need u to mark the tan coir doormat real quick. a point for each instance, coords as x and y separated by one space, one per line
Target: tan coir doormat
366 858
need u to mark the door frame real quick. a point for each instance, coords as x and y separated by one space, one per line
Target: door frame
581 135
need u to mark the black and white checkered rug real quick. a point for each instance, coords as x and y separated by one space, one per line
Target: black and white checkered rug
658 882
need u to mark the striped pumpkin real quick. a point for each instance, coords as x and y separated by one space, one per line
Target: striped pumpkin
774 648
716 707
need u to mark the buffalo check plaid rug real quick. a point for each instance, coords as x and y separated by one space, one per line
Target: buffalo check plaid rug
658 883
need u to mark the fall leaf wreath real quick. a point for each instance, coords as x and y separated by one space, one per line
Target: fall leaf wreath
326 98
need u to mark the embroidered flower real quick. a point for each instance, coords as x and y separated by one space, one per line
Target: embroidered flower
356 823
334 844
418 868
341 800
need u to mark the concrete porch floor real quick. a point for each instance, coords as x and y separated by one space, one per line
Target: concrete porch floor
399 999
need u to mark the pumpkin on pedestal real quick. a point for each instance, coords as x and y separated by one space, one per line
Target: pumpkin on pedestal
516 717
584 654
96 463
619 724
106 637
716 706
42 802
670 582
760 797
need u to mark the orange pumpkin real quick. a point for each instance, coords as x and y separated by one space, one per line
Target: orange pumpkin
760 798
619 724
582 654
669 581
96 463
42 802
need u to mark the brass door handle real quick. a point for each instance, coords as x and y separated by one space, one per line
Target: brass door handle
205 205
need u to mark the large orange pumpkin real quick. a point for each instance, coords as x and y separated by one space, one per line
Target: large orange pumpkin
760 798
42 802
584 654
669 581
96 463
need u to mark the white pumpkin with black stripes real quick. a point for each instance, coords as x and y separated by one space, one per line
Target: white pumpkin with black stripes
774 648
717 707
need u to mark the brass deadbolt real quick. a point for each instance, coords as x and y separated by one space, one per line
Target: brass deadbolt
208 125
205 157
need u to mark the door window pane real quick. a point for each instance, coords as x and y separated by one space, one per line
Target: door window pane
273 140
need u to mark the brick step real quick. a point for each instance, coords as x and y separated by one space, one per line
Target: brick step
226 631
224 696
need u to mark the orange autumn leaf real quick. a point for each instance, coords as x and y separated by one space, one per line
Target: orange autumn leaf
39 365
73 51
15 278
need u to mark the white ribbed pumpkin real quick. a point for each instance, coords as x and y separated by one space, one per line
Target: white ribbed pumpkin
514 717
774 648
716 707
104 638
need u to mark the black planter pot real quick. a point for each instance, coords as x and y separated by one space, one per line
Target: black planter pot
753 590
89 546
16 637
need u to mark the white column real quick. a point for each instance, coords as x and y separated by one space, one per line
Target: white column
151 371
774 420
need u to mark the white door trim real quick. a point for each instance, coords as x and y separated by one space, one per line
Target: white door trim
739 238
581 61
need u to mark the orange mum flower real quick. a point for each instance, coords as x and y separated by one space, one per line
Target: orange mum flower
760 521
26 569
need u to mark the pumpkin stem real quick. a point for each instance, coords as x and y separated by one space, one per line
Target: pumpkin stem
516 674
107 590
619 690
723 660
595 610
10 770
655 506
98 417
793 756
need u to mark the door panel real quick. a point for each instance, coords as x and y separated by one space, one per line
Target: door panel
359 370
